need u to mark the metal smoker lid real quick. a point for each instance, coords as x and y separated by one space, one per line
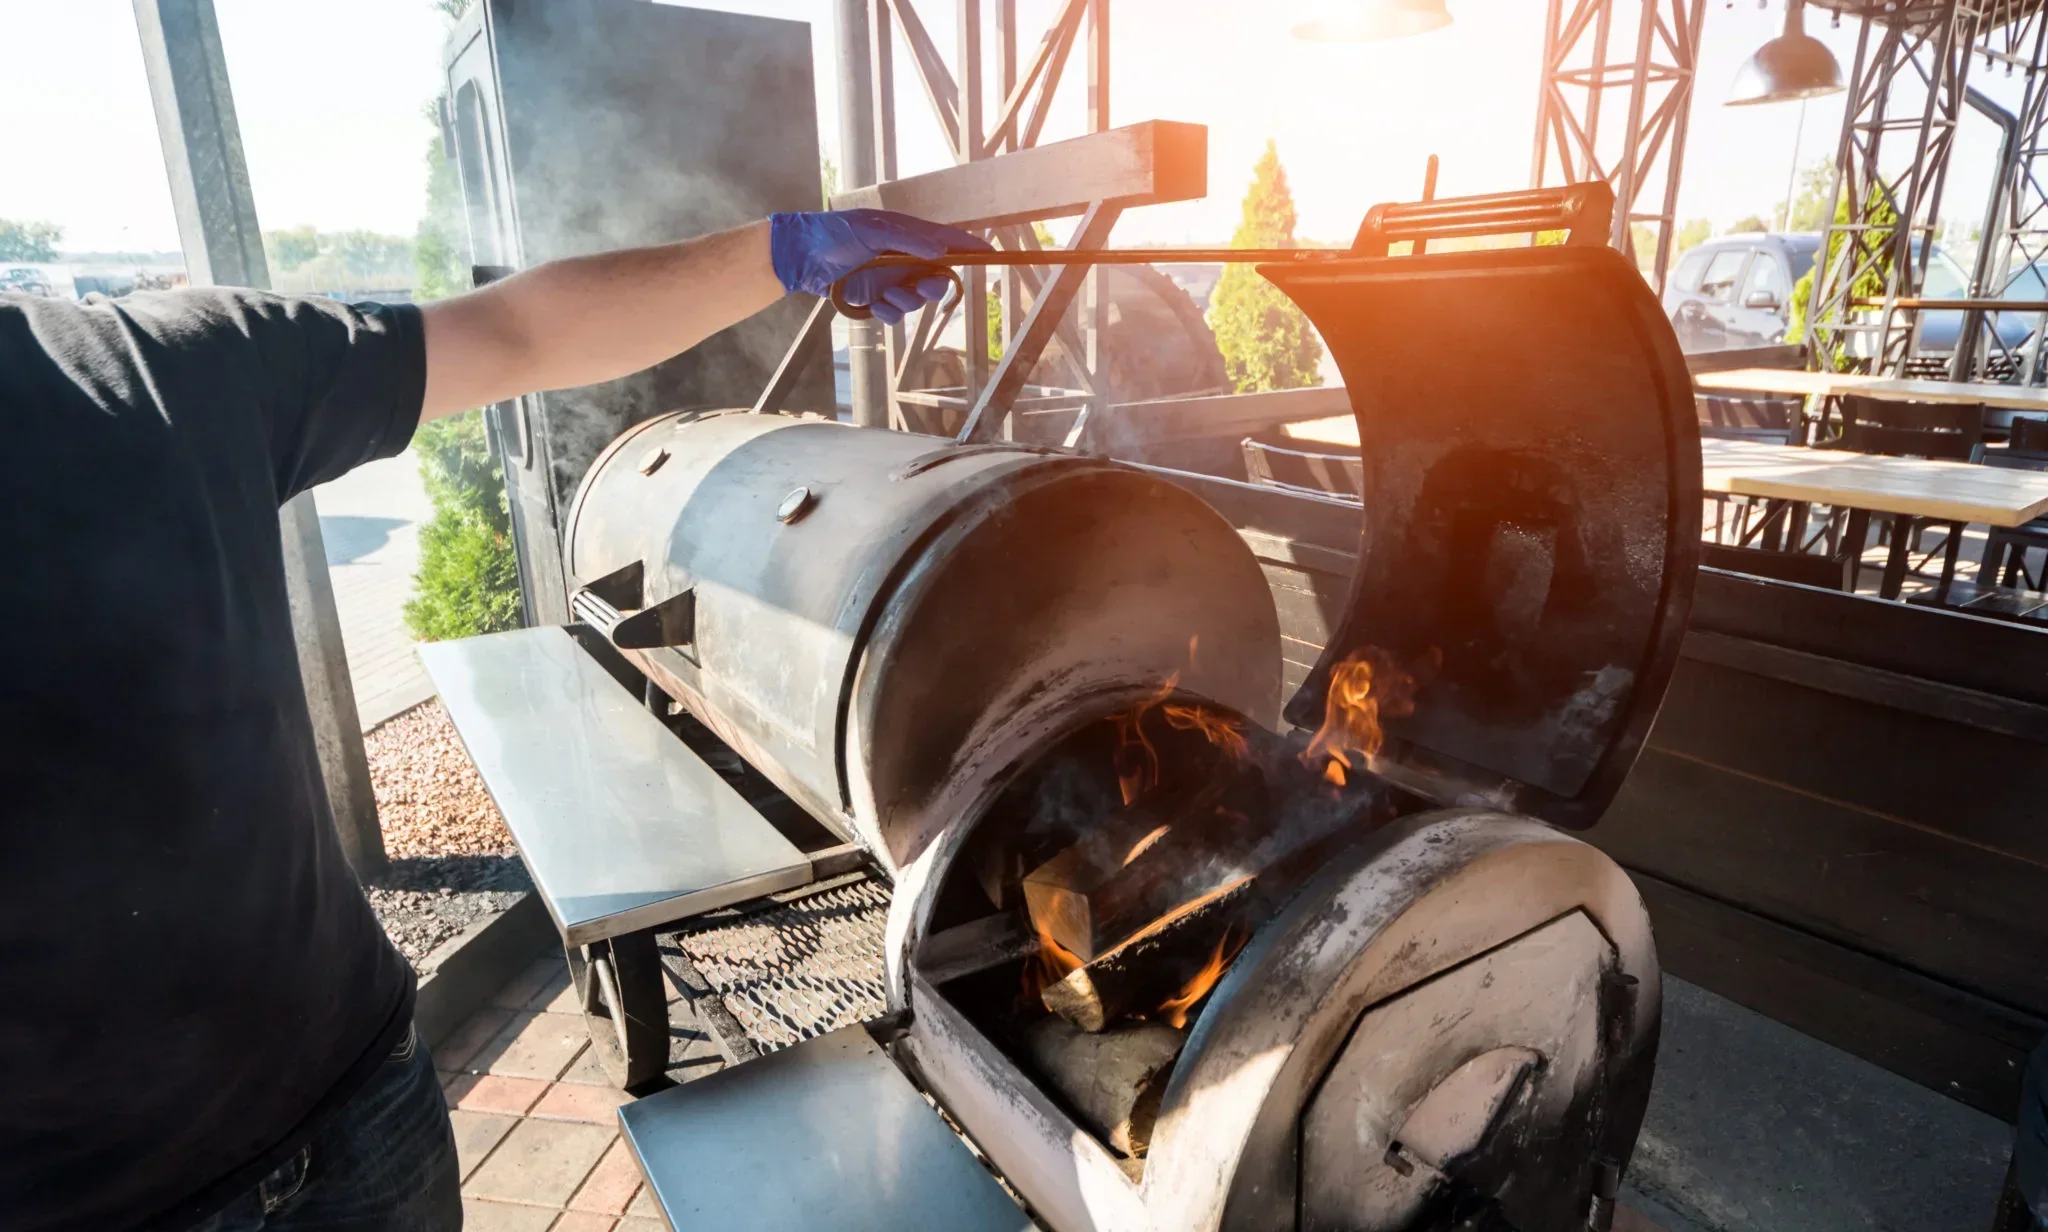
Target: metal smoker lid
1531 520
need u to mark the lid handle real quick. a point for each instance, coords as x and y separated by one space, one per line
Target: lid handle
1585 210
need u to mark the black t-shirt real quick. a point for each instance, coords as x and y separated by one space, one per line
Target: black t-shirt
190 979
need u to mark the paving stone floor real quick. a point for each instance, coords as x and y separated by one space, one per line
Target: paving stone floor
370 519
536 1124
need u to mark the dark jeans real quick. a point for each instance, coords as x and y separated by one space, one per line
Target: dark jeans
2030 1146
385 1164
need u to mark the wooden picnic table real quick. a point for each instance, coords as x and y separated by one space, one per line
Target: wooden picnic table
1899 488
1889 389
1794 381
1914 487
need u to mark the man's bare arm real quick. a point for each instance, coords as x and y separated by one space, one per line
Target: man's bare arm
588 319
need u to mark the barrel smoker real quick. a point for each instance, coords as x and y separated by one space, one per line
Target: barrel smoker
1171 949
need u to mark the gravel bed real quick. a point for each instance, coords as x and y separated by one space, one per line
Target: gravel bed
425 900
430 799
453 862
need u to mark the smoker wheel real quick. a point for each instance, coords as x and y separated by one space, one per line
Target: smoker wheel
619 983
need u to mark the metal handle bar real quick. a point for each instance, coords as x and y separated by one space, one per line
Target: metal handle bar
946 266
1585 210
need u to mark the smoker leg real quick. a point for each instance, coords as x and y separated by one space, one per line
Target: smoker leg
619 984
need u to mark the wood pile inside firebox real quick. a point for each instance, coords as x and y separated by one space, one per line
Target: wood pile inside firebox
1141 856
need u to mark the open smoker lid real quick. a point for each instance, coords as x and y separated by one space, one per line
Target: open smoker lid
1531 521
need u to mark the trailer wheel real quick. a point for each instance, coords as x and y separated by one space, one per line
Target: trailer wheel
618 982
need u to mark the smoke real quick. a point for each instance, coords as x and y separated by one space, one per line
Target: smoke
627 124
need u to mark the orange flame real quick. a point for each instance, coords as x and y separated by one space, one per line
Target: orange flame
1351 716
1053 963
1174 1010
1224 733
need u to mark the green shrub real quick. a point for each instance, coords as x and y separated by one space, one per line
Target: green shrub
468 579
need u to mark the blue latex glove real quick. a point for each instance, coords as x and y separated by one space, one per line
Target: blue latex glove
813 251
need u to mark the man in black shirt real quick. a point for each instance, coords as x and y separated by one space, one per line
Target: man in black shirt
203 1023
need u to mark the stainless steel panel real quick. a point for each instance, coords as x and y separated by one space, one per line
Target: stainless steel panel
823 1136
621 825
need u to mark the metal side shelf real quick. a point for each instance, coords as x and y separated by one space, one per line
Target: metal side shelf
623 827
827 1136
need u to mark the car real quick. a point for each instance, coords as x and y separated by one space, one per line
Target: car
1736 291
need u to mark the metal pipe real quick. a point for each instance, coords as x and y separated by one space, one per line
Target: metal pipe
1970 342
867 367
216 212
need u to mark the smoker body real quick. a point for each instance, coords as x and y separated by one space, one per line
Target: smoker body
879 621
1435 1011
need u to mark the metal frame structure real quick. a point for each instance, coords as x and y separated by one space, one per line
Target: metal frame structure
1645 101
2016 218
187 68
959 95
1909 80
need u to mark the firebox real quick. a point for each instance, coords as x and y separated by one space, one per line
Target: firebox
1171 949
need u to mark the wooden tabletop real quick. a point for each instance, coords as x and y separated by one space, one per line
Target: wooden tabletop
1784 381
1890 389
1950 491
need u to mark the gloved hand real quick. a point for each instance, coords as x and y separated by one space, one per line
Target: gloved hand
813 251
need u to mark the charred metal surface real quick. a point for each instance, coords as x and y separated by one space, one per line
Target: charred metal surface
1531 521
861 654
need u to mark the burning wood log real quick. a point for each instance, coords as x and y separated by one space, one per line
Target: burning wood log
1136 867
1167 966
1111 1081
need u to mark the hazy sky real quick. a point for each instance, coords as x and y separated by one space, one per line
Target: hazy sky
332 98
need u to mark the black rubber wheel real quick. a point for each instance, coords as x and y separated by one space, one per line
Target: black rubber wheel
619 984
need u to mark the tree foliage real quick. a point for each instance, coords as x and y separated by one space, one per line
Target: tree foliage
440 247
1267 342
1691 234
468 579
1752 225
304 259
29 241
1872 256
1810 199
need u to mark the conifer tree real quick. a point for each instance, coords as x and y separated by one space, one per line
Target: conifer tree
1267 342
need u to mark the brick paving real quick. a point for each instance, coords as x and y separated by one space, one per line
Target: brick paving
370 519
536 1121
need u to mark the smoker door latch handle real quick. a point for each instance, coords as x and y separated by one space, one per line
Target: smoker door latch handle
669 623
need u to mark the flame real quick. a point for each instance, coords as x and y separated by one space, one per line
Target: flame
1225 734
1138 849
1351 716
1053 963
1174 1010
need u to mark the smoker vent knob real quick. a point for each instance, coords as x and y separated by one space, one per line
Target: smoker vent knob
652 462
795 505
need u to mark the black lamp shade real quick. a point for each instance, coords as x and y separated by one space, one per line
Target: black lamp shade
1791 66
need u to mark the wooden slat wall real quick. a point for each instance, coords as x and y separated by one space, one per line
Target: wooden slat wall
1841 816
